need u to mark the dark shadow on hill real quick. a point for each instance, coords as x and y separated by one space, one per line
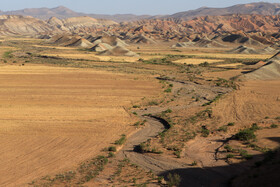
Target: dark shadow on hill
264 172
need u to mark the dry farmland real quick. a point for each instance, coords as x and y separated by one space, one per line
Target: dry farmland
52 118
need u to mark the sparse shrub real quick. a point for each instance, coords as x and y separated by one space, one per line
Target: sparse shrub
136 106
160 178
112 148
178 153
244 154
141 60
204 64
229 148
153 103
166 111
245 135
257 148
8 54
173 179
121 140
147 114
213 100
168 90
111 154
156 151
189 136
231 124
137 124
225 83
91 169
194 163
134 180
145 147
273 126
222 128
204 131
229 156
255 127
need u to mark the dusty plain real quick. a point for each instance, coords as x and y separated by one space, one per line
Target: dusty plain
180 109
53 118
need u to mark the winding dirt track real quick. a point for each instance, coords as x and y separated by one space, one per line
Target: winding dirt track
213 171
161 165
156 163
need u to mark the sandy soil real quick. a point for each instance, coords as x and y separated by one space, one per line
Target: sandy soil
53 118
196 61
223 74
229 65
252 102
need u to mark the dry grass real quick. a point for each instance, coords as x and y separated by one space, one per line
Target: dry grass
8 38
232 56
218 53
196 61
54 47
53 118
93 56
229 65
73 56
5 49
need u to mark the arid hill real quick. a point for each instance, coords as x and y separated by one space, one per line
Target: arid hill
261 8
23 25
239 29
27 25
270 71
61 12
243 50
236 22
207 31
45 13
71 24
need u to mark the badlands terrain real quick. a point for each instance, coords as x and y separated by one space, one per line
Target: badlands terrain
190 99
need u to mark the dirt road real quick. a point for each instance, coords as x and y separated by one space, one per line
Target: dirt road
156 163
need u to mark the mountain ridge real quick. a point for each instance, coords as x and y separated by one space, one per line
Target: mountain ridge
261 8
62 12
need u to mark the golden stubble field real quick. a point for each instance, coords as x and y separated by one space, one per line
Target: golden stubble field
53 118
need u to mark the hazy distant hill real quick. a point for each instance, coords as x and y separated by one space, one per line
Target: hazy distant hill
23 25
63 12
45 13
252 8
